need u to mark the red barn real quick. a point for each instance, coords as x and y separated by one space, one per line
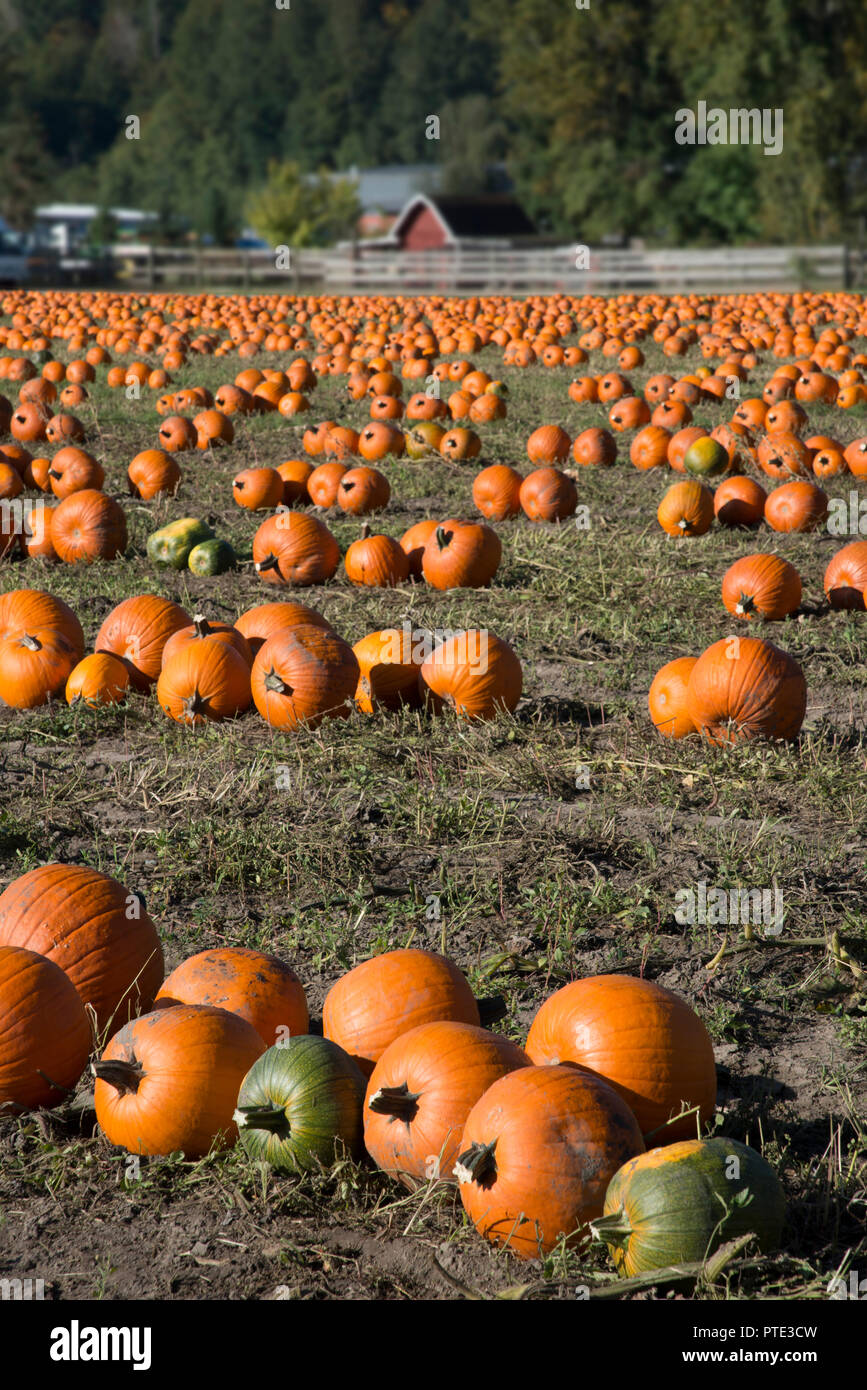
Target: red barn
434 223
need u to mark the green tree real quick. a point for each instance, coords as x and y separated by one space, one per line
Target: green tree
292 210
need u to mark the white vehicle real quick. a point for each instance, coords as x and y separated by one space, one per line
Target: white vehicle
15 265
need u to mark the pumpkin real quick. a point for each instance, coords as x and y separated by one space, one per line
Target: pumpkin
296 475
739 502
258 489
173 544
680 443
378 439
44 1031
383 998
34 666
649 448
88 526
137 631
255 986
263 621
496 491
323 482
706 458
203 680
37 532
548 494
176 434
169 1081
761 584
784 455
389 663
304 674
796 507
667 698
743 688
537 1153
363 490
153 473
376 561
202 631
549 444
595 448
73 470
475 673
645 1041
213 429
629 413
211 557
686 509
423 440
100 679
24 610
300 1105
461 555
96 931
294 548
421 1091
678 1204
413 543
846 577
855 455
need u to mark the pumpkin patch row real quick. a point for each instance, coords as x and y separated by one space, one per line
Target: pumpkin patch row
403 1071
282 657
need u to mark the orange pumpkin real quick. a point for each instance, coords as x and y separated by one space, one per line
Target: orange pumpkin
667 698
256 987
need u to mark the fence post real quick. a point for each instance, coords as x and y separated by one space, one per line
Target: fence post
151 266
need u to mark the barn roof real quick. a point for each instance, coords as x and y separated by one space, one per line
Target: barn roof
488 215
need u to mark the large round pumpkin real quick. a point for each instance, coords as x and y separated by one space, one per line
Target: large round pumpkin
44 1031
678 1204
537 1153
423 1088
461 555
476 674
255 986
643 1040
204 681
304 674
96 931
300 1105
88 526
137 631
169 1081
745 687
384 997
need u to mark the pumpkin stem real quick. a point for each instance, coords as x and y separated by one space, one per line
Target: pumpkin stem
613 1229
365 531
275 682
477 1164
443 537
745 604
125 1077
31 643
271 1117
397 1101
194 704
270 563
202 626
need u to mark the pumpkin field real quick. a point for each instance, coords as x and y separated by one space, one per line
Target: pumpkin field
433 761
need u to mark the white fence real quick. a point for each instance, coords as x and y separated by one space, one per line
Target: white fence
542 270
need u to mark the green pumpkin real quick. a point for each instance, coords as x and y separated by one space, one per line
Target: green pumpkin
706 458
300 1103
211 557
668 1206
171 545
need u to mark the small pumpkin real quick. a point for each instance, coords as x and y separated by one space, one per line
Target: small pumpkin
796 507
846 577
739 502
300 1105
153 473
204 680
686 509
763 585
376 561
258 489
413 542
389 663
548 494
100 679
667 698
474 673
461 555
169 1081
496 491
363 490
